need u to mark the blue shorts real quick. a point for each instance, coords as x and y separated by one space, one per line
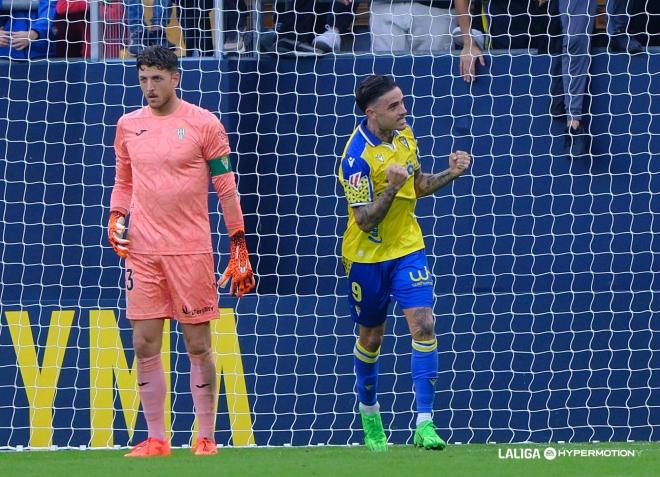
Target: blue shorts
371 286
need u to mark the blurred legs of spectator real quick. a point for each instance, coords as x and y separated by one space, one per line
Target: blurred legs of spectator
570 69
295 28
70 29
235 15
509 24
156 34
135 23
577 20
649 23
338 22
196 25
617 27
409 28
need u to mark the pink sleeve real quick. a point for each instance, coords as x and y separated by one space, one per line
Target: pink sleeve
122 192
225 187
216 143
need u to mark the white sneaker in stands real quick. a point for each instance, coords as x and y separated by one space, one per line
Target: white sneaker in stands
328 41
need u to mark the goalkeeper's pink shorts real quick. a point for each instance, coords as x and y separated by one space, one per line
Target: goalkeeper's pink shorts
182 287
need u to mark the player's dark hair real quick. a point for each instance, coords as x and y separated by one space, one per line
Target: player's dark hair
371 88
158 56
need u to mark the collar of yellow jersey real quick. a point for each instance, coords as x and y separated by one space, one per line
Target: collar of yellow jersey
369 136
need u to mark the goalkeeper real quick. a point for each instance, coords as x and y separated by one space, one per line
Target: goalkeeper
166 152
383 250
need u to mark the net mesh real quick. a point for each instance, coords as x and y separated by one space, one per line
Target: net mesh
544 263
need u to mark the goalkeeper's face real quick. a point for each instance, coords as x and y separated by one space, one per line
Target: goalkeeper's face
389 112
158 85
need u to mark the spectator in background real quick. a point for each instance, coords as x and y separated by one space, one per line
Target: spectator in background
508 24
141 35
25 34
570 69
338 22
235 15
649 23
423 27
294 25
194 17
618 19
70 29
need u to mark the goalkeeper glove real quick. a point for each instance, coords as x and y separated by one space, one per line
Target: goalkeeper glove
116 230
239 270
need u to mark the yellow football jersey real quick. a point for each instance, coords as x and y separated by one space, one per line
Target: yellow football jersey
362 175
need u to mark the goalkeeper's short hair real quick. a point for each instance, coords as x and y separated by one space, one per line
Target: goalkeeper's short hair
158 56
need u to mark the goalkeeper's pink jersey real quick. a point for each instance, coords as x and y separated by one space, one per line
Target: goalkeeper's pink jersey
162 178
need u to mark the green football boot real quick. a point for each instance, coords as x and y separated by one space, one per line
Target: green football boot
426 437
374 434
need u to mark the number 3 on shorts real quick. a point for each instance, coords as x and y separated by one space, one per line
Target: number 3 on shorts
129 279
357 291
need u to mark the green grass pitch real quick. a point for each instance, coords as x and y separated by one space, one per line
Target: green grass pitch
459 460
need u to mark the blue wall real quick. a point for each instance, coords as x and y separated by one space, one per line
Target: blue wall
546 270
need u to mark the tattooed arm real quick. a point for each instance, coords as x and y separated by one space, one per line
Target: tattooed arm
369 215
427 184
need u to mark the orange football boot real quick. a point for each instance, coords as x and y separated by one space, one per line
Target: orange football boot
152 447
205 446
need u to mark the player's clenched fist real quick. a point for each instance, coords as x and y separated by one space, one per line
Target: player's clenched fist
459 162
239 270
116 231
397 175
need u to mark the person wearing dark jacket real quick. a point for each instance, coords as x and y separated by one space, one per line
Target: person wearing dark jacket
570 69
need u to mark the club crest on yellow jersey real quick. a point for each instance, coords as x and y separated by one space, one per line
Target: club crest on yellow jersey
410 167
